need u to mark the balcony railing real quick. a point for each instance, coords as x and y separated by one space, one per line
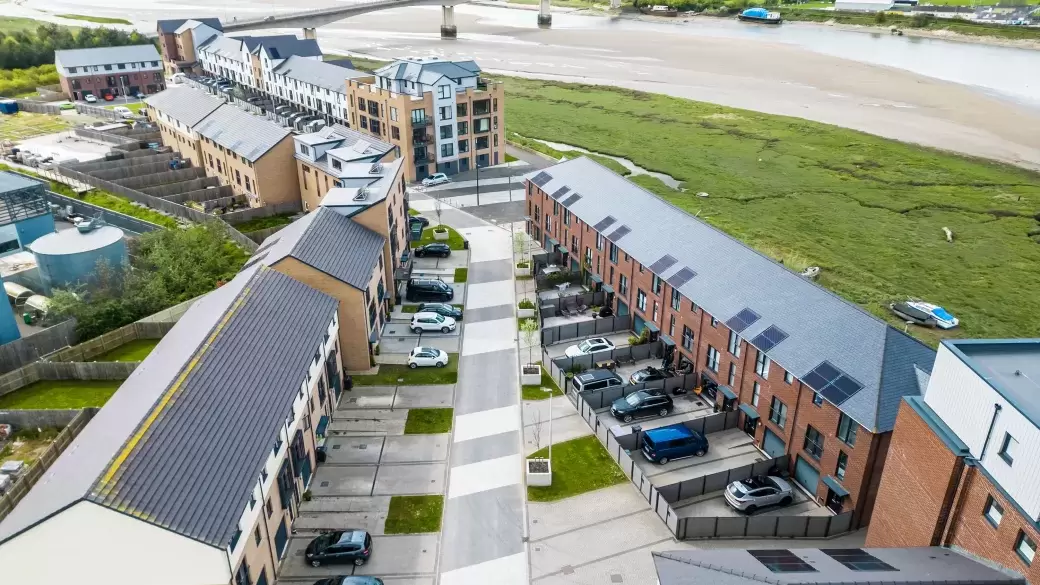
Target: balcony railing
421 123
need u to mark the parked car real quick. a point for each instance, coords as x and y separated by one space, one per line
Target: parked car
109 97
429 289
435 179
123 112
758 492
340 546
139 95
441 309
647 374
90 98
666 444
641 404
436 249
350 580
419 220
593 380
589 347
427 356
432 322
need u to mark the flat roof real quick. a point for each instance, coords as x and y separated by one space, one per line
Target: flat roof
1010 366
72 241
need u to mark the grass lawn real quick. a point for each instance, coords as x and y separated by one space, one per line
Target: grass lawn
133 351
415 309
414 514
27 125
454 241
390 373
511 158
578 466
869 211
60 394
360 63
95 19
135 107
412 211
568 154
461 274
28 445
538 392
13 24
428 421
262 223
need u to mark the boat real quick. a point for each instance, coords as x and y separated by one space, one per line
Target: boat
659 11
760 15
925 314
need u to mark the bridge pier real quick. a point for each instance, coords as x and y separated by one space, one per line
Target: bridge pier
545 14
448 28
310 33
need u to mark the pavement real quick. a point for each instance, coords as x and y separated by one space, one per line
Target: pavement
494 194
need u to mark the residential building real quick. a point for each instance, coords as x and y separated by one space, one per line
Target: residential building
441 114
329 153
176 111
814 376
109 71
178 39
311 85
243 60
810 566
962 466
193 471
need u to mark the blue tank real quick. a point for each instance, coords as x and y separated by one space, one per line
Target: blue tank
8 325
68 258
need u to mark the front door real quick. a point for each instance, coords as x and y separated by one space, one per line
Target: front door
750 424
638 323
281 539
622 309
806 475
305 470
834 501
463 165
773 445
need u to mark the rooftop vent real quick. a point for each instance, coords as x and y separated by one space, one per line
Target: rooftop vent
362 194
376 169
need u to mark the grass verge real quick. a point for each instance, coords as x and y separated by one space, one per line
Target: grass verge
454 241
95 19
133 351
539 392
262 223
428 421
389 374
578 466
461 274
412 211
414 514
60 394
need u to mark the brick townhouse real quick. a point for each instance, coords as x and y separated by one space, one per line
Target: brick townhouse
178 39
964 458
814 376
109 71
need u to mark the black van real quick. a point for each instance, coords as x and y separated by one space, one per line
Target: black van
592 380
429 289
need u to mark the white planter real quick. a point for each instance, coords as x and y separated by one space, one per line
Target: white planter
525 271
540 478
530 379
524 313
440 235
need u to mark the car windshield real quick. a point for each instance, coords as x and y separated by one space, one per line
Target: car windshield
635 399
585 345
737 489
438 318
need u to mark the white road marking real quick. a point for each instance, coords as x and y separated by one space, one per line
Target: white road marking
486 423
484 476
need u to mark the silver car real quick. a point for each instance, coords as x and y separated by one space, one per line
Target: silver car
758 492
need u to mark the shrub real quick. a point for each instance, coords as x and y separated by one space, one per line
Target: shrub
525 304
642 338
523 264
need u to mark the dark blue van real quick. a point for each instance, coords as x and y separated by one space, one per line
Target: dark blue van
673 442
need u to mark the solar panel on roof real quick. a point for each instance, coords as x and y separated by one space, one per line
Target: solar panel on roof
835 385
255 259
267 244
857 559
604 223
681 277
742 320
619 233
769 338
560 192
571 200
541 179
782 561
663 263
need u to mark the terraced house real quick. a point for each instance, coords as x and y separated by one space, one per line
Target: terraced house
178 39
192 473
812 374
109 71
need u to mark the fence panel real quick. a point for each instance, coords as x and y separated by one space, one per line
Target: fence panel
673 523
730 527
669 493
35 107
840 524
690 488
716 481
761 526
792 526
739 473
30 348
817 526
714 424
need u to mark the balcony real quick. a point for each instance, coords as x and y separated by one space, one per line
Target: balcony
421 123
482 84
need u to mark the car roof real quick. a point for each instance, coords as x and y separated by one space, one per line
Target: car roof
593 375
678 431
426 314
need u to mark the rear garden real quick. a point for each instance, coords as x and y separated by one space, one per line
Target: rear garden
60 394
134 351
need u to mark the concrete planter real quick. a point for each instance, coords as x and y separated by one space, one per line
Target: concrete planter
530 375
522 270
441 235
539 472
524 313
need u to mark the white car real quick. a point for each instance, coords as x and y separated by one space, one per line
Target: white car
432 322
90 98
435 179
427 356
123 111
589 347
758 492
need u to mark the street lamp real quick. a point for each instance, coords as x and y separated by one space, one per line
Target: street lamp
550 391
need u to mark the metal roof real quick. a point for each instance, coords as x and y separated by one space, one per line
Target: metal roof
73 241
319 73
357 176
331 243
924 565
107 55
171 25
245 134
1009 366
428 71
14 182
184 104
224 46
283 46
725 277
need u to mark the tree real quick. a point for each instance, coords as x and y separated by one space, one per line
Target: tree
438 208
529 332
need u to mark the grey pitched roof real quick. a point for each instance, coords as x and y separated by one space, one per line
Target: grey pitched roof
284 46
171 25
360 142
245 134
729 276
428 71
107 55
185 104
924 565
319 73
331 243
224 46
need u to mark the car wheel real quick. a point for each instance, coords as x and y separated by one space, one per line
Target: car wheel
442 364
700 452
315 563
662 412
663 461
359 562
417 330
413 365
445 329
785 501
751 509
627 418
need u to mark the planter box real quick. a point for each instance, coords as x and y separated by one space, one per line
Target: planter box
524 313
441 235
539 472
522 271
530 375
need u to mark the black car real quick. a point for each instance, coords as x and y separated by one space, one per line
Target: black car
429 289
442 309
341 546
641 404
435 249
647 374
422 221
350 580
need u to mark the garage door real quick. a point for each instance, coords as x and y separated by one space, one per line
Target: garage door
637 324
773 444
806 474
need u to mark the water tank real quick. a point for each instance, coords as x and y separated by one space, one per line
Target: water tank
8 326
69 258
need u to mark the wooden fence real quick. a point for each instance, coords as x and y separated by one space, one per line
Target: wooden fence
88 350
30 348
37 371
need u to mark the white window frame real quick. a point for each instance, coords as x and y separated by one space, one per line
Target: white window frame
734 343
993 512
762 365
756 392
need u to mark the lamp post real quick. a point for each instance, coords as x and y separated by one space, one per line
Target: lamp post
550 391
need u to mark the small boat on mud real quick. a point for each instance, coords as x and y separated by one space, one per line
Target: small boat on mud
760 15
924 314
659 11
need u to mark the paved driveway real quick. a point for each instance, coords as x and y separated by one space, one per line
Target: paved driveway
560 349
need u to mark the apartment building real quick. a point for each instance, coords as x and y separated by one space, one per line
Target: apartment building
441 114
311 85
109 71
176 111
243 60
963 463
178 39
813 375
330 155
193 472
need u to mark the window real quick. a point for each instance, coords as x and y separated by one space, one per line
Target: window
713 359
599 242
817 398
256 535
641 300
393 114
762 365
656 307
732 373
108 67
857 559
813 443
446 132
687 337
778 412
622 285
361 105
756 390
671 327
443 91
481 125
374 126
640 269
847 430
714 322
238 177
788 378
270 508
734 344
1008 448
655 283
1026 548
444 112
843 462
613 253
418 116
461 110
675 299
781 561
463 128
993 512
447 150
72 69
364 122
234 539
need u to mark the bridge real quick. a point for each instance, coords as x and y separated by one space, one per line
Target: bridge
309 20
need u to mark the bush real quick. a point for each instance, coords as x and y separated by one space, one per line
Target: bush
881 18
523 264
643 337
14 82
921 20
525 304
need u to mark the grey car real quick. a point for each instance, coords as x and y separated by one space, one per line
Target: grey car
758 492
